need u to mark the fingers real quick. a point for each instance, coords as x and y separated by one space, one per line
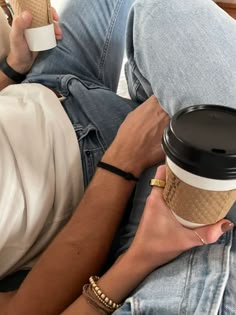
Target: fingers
19 25
57 29
55 16
211 233
23 21
161 175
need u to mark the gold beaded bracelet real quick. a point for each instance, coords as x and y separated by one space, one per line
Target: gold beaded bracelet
103 298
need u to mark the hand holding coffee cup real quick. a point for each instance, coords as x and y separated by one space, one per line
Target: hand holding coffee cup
41 35
201 164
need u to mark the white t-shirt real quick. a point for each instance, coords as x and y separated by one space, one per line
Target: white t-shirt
41 179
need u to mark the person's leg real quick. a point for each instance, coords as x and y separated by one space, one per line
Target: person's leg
93 41
85 69
228 306
183 52
192 284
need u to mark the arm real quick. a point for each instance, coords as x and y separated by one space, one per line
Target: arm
81 248
160 238
229 7
20 57
4 81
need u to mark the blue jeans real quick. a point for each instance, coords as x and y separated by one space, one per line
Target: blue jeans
183 52
85 68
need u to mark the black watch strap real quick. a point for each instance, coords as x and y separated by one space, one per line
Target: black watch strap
11 73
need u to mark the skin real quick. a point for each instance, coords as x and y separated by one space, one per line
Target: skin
20 57
229 7
49 290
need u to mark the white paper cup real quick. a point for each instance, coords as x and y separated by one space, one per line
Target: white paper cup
40 36
201 164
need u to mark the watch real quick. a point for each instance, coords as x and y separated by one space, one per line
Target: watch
11 73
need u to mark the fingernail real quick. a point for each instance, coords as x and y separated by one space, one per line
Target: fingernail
227 227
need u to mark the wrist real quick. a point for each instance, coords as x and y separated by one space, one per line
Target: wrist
122 161
114 281
12 75
18 67
143 266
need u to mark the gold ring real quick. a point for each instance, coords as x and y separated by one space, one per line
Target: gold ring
200 238
157 183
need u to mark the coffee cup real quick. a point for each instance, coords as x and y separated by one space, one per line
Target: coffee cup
40 36
201 164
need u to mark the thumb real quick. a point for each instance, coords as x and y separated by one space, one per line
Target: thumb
211 233
20 24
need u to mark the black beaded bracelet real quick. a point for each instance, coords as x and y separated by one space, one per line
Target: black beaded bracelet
117 171
11 73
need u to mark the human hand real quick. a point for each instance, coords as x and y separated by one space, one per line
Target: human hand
161 238
138 142
20 57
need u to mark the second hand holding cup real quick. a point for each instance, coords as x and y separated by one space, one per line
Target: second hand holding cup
40 36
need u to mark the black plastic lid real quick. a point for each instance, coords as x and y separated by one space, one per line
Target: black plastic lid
201 139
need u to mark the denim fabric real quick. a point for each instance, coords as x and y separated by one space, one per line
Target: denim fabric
183 52
95 112
85 69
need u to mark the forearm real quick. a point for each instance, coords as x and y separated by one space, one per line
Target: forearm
79 251
81 248
114 283
4 81
230 8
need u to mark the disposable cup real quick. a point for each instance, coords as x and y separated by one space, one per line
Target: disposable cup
200 152
40 36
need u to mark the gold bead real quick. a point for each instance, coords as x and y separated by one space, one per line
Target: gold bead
99 292
114 305
103 296
106 300
110 302
96 288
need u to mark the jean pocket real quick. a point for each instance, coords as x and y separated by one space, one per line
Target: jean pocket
91 149
91 84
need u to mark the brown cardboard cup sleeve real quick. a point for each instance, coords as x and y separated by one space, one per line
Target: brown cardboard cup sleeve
40 36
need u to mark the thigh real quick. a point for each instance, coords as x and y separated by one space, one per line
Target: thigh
193 283
183 52
93 41
228 306
95 112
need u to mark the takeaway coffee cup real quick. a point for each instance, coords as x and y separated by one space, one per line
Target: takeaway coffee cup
40 36
200 149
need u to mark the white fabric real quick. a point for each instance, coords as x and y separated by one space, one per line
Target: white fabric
4 35
41 179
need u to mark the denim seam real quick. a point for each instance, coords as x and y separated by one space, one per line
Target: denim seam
225 269
136 308
136 83
107 42
183 304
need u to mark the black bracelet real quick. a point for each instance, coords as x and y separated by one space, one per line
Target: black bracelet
11 73
117 171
